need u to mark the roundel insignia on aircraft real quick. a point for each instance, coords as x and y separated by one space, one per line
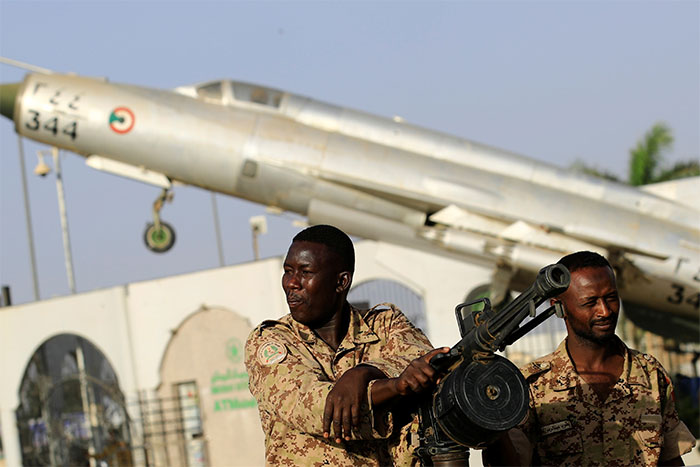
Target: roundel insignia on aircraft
121 120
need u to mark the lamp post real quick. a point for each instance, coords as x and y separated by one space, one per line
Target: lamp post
42 169
28 219
217 229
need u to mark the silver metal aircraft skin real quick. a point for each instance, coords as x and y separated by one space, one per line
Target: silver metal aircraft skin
382 179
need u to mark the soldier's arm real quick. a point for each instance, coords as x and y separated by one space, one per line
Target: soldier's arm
677 439
403 343
343 404
401 370
417 377
284 382
346 400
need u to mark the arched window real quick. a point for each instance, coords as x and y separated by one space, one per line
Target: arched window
370 293
71 408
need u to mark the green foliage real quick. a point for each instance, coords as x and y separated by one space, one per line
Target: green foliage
646 156
645 163
682 169
580 166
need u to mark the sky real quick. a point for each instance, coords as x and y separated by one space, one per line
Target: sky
555 81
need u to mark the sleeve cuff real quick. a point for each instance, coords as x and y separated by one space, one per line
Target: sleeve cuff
378 423
677 442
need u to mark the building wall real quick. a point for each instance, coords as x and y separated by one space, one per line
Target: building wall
208 350
136 326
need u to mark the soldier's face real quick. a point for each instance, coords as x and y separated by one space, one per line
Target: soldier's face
312 283
592 304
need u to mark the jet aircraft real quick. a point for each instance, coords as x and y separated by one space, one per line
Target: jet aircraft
377 178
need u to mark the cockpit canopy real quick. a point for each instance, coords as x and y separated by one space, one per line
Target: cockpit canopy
226 92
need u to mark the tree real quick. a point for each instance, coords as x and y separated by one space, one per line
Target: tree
645 164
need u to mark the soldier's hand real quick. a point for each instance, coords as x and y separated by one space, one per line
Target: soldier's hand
342 409
418 375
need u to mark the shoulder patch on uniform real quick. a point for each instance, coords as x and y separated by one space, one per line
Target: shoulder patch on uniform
271 352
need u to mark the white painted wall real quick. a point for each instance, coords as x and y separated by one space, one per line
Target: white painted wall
157 307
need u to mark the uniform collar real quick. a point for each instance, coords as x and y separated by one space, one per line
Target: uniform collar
358 331
633 372
567 376
636 373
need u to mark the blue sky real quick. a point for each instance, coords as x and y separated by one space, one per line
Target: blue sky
556 81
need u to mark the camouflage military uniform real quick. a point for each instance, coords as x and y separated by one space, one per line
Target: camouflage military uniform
292 371
568 425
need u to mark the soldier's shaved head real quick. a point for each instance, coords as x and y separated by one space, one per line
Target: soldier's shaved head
584 259
335 239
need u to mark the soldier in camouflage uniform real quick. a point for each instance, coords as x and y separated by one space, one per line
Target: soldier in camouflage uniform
329 367
594 401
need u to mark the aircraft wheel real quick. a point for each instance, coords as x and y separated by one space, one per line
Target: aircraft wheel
159 240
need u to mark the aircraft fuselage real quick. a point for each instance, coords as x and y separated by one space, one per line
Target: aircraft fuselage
375 177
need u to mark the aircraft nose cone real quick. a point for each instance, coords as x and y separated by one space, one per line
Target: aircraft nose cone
8 92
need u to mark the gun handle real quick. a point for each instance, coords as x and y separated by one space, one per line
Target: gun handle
441 361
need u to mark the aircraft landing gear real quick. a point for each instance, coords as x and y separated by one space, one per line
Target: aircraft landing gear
159 236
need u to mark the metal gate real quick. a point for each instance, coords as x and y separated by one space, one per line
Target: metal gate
167 431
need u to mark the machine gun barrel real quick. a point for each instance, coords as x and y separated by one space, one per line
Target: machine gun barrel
484 332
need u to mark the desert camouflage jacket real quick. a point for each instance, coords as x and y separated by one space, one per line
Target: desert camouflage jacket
292 371
569 425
